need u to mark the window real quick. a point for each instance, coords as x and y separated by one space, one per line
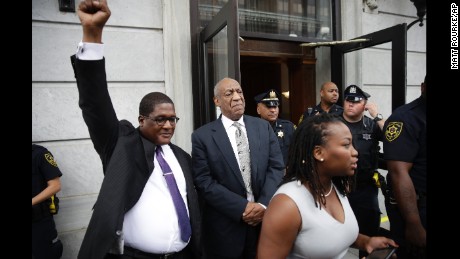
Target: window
285 18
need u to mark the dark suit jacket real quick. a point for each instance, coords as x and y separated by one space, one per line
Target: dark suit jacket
127 160
218 179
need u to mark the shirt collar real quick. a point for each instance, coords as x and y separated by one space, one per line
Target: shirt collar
228 123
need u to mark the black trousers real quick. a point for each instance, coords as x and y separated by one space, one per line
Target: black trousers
397 229
45 244
368 222
250 247
131 253
112 256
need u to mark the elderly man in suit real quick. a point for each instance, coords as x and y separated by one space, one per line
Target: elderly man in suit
147 205
237 166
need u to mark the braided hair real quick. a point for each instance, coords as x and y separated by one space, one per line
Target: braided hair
302 165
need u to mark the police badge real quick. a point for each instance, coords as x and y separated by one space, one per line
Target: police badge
280 134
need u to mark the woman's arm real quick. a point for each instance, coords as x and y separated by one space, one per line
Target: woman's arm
280 226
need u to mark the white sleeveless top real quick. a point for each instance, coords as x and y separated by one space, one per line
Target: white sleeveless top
321 235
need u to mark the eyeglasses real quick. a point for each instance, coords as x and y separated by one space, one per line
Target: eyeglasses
161 121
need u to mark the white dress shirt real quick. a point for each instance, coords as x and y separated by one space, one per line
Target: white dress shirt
152 224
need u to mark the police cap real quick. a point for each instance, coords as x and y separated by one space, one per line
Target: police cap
269 98
355 94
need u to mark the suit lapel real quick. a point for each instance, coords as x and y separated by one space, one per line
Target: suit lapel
134 145
254 143
149 148
139 155
224 145
185 168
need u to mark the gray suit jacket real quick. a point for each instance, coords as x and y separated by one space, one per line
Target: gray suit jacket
127 160
219 182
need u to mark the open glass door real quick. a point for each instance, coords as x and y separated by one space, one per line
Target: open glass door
397 35
219 56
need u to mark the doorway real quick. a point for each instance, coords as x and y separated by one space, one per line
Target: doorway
218 48
268 63
258 74
280 65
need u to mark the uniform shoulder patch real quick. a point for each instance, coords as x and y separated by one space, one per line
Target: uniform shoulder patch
50 159
393 130
301 119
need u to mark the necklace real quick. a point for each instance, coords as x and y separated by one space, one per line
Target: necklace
327 194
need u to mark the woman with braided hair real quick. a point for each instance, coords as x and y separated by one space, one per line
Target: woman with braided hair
309 216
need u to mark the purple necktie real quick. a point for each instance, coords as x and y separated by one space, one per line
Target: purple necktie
184 222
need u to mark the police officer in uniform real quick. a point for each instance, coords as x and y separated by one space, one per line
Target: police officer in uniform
404 147
366 132
45 183
329 96
267 108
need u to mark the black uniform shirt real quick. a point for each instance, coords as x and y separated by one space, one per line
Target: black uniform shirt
284 130
44 168
366 136
335 109
405 139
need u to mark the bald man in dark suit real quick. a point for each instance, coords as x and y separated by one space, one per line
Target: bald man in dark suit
234 203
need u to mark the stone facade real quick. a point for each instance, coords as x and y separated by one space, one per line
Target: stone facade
148 49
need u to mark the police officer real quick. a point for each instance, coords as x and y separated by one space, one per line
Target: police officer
366 132
267 108
45 183
329 96
404 147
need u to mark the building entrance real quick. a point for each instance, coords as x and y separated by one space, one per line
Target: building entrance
284 66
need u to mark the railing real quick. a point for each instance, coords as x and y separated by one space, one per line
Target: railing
275 23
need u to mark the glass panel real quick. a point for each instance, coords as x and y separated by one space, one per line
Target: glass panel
291 18
217 60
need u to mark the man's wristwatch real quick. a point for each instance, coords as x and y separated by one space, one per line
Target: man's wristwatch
378 117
